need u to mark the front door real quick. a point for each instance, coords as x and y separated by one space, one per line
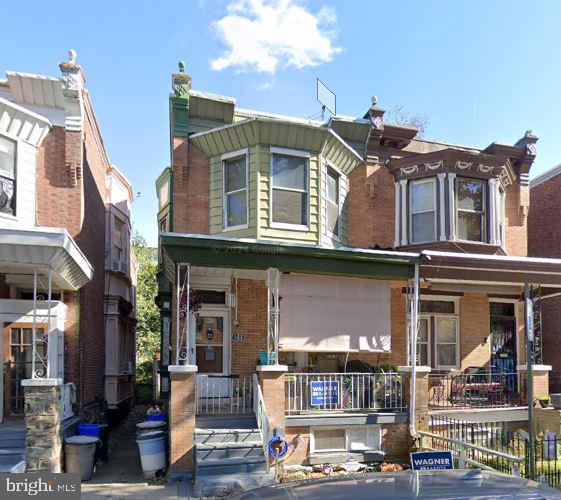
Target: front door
18 355
503 341
211 353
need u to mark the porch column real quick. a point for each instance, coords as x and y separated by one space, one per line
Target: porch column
421 393
271 379
43 424
182 419
540 376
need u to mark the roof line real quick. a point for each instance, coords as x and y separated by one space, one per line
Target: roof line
547 175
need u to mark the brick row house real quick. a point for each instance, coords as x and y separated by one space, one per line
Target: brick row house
67 305
305 264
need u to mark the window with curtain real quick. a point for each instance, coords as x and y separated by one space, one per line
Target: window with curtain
235 192
289 177
423 343
332 194
7 176
446 342
470 203
423 210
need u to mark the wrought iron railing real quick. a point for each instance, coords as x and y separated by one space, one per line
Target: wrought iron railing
328 392
224 394
261 417
483 390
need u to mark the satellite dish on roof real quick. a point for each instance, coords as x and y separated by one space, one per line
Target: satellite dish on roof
326 98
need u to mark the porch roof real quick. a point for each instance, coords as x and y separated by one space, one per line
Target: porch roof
217 251
22 250
490 269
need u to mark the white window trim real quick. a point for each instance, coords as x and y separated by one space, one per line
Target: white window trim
410 211
289 152
429 339
501 216
457 343
485 238
223 159
330 165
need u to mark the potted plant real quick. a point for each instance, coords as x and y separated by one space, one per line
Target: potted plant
544 401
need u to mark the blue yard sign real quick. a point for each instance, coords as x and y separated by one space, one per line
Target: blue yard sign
324 393
432 460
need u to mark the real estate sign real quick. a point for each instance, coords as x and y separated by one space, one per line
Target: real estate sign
324 392
432 460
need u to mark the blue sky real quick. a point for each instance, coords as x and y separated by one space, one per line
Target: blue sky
481 71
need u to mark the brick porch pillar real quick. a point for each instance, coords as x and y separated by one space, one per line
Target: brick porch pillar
421 393
182 419
43 424
271 378
541 378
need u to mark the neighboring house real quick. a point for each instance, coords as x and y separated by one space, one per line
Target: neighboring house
307 249
544 240
57 193
120 293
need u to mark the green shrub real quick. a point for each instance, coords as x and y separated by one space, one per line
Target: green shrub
144 372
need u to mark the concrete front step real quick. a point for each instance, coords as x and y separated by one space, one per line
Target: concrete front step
223 421
207 436
221 451
215 467
231 484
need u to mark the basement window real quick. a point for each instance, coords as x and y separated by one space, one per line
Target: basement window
327 439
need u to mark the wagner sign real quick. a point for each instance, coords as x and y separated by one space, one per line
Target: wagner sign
432 460
324 392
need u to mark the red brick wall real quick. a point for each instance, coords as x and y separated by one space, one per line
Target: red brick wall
191 188
371 206
544 240
475 348
516 212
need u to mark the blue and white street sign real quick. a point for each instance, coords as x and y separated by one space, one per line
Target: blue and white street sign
432 460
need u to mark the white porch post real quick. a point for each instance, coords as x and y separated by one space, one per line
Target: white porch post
273 317
33 335
49 373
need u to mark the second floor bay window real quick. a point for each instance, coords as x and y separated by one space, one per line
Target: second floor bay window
423 210
7 176
235 192
470 212
289 188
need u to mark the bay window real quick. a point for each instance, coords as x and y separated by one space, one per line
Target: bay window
289 188
7 176
423 210
235 192
470 213
332 201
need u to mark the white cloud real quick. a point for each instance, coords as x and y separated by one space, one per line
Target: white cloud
265 35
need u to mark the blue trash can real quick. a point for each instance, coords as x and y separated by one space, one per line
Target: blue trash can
152 449
156 417
98 431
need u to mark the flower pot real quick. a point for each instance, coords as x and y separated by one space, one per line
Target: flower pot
544 403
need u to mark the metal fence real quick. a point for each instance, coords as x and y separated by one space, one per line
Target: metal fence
483 390
342 392
497 445
224 394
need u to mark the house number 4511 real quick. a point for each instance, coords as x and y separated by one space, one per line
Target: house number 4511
238 337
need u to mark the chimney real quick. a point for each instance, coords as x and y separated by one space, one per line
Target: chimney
73 77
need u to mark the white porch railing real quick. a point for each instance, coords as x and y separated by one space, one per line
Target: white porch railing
321 392
261 416
224 394
68 398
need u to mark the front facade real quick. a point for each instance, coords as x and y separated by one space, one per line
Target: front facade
327 256
57 191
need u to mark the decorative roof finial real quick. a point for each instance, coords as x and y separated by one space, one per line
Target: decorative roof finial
374 100
181 65
72 56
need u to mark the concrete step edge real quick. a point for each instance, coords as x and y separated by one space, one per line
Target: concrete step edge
228 445
209 462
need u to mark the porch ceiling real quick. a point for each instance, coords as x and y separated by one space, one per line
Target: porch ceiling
222 252
486 269
22 250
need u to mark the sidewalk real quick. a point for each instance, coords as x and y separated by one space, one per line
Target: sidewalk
121 476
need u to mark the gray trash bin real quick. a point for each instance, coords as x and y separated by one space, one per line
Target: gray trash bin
149 426
152 449
79 453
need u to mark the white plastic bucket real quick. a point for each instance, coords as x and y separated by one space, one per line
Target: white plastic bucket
152 449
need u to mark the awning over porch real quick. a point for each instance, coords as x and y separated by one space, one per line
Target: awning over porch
491 269
217 251
23 250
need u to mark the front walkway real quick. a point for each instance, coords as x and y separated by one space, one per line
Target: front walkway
121 476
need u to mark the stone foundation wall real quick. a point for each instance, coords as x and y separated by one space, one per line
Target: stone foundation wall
43 443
